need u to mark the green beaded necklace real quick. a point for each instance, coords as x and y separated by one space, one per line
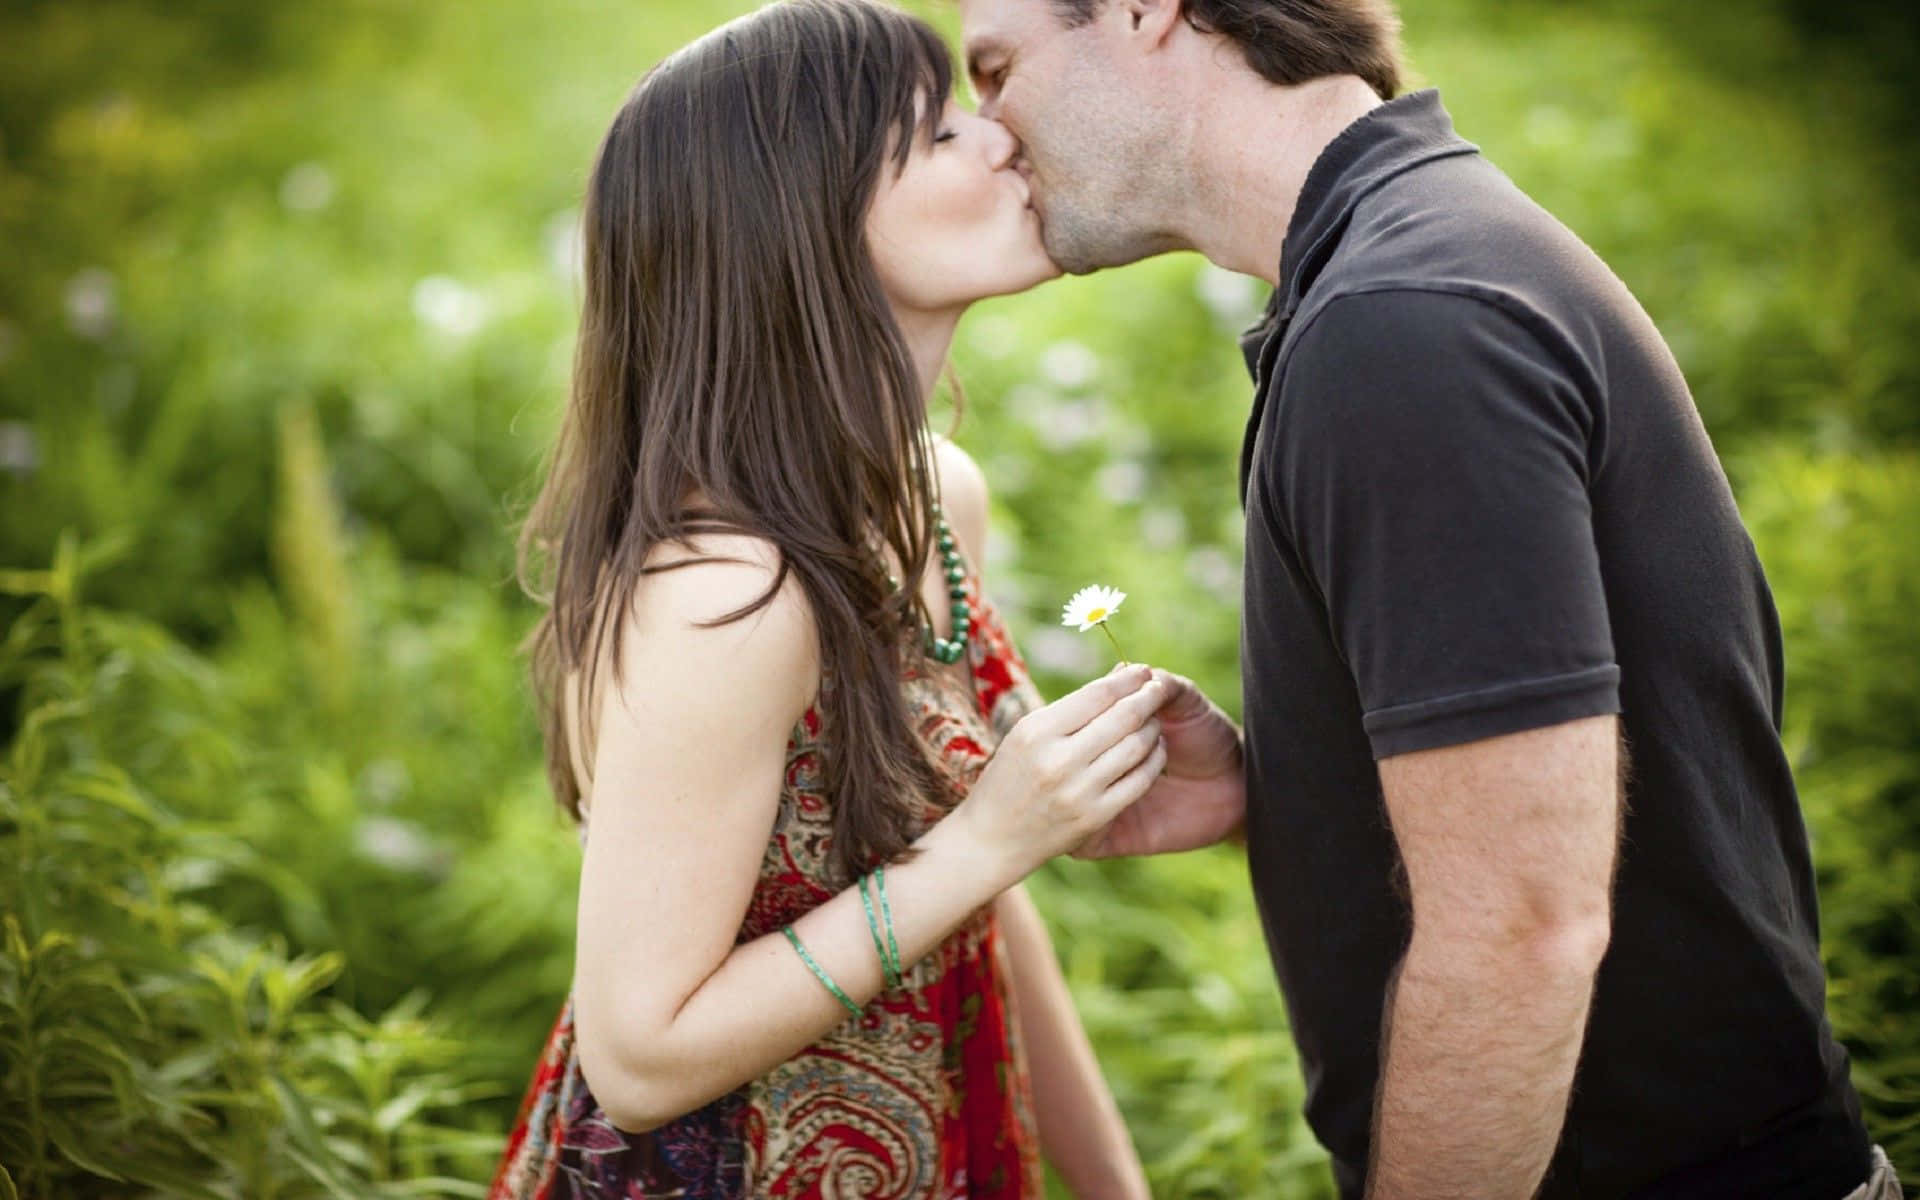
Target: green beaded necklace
947 650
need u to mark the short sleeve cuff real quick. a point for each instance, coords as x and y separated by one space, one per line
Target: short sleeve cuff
1490 712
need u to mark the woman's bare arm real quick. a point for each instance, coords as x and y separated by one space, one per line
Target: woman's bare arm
688 771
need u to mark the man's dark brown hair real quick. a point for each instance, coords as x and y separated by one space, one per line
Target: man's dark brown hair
1292 41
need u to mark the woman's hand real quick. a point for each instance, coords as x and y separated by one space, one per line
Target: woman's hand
1063 772
1201 797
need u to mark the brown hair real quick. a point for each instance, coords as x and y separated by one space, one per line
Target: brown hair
734 339
1292 41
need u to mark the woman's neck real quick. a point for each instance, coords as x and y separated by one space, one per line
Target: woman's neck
929 337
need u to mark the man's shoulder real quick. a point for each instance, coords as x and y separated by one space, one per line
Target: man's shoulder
1460 227
1412 333
1463 204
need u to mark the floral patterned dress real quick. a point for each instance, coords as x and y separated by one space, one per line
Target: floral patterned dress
923 1095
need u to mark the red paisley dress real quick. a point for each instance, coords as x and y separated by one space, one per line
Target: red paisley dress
924 1095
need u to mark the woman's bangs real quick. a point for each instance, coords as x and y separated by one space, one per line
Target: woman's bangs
921 80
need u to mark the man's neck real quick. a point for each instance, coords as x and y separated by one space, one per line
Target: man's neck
1251 145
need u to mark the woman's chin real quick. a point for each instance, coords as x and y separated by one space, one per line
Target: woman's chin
1027 269
1044 270
1043 267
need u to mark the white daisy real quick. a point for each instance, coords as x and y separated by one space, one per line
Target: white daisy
1091 605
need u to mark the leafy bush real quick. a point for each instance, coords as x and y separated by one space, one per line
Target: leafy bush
144 1038
1836 535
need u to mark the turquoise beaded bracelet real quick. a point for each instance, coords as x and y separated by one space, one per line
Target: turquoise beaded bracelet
889 970
818 973
886 911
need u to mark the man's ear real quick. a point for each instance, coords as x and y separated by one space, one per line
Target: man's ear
1154 20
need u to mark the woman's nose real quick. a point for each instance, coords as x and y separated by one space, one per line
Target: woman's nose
1002 146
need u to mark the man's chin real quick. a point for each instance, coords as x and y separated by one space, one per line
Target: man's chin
1075 253
1071 263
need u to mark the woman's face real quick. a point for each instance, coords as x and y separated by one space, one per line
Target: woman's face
955 225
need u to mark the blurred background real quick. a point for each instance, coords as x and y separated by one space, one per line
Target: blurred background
286 298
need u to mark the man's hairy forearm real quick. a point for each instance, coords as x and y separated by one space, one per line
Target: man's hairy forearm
1481 1040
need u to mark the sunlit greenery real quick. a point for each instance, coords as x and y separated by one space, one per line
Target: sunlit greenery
285 313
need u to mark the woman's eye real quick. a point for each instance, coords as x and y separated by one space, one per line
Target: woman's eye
945 135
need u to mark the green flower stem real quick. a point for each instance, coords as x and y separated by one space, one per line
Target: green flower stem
1116 645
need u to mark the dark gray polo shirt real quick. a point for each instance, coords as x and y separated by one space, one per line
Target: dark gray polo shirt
1480 500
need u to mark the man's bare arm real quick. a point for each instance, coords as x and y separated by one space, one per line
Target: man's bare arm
1509 847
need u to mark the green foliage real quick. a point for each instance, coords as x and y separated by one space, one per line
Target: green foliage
1836 535
1169 971
284 325
144 1037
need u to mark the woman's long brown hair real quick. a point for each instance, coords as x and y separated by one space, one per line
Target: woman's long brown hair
735 339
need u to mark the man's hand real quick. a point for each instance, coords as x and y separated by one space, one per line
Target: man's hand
1200 797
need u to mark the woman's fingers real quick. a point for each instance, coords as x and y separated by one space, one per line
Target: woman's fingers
1063 771
1127 714
1123 756
1074 710
1127 789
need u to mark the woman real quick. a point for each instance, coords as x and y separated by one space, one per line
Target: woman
806 793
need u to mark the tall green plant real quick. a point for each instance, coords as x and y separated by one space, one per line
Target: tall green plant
145 1041
1837 535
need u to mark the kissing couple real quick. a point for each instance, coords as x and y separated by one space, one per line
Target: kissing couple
1524 842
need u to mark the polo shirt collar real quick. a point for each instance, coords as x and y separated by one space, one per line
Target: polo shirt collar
1388 141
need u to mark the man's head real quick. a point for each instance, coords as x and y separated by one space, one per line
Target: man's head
1102 93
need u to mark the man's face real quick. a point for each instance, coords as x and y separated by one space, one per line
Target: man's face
1067 94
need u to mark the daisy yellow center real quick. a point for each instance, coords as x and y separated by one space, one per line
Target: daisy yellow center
1096 615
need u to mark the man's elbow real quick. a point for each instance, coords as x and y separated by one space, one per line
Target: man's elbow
1570 943
1556 932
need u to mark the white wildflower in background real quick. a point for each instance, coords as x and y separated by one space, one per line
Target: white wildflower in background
307 188
1053 649
563 237
92 303
398 845
1162 527
449 306
996 337
1214 571
19 448
1123 481
1233 299
1069 364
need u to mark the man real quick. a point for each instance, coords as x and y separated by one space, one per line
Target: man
1524 841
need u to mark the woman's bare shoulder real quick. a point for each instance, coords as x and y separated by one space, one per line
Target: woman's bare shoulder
682 667
963 494
675 635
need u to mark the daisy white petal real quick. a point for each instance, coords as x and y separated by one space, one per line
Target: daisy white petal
1091 605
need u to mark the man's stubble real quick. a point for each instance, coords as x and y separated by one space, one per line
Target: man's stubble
1104 194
